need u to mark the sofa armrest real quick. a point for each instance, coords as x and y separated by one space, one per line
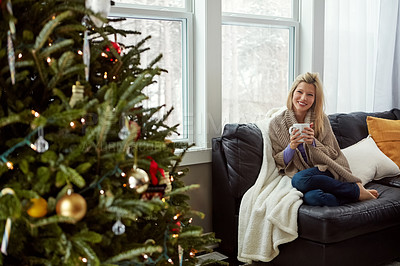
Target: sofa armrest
242 146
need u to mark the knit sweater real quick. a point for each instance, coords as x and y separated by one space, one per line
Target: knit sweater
326 154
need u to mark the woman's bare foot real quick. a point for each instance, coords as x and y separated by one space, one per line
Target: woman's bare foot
373 192
366 194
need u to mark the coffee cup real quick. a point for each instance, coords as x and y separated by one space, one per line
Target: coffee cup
300 127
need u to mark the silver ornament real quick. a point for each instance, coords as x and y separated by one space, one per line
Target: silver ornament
118 228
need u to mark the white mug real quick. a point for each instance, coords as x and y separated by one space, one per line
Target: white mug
300 127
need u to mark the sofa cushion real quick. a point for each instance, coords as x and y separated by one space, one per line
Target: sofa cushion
386 134
349 128
368 162
334 224
243 149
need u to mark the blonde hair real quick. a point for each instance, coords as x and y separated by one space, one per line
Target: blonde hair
318 106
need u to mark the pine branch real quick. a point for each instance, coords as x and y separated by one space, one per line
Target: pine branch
63 98
72 176
64 63
85 250
88 236
182 190
53 220
131 254
55 47
42 38
21 117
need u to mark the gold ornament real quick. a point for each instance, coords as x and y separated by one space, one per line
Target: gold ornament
138 179
38 208
72 205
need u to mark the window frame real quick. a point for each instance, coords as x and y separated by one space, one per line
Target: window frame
185 15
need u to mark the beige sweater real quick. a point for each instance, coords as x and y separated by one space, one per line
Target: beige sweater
326 154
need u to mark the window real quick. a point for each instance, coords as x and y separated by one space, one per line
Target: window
227 60
257 58
168 29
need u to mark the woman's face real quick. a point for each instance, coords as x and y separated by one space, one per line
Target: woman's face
303 97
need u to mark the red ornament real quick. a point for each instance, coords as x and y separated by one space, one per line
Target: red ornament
116 47
176 229
153 171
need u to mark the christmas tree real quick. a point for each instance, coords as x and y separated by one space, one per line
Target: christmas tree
87 173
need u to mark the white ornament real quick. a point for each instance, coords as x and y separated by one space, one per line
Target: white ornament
41 144
98 6
118 228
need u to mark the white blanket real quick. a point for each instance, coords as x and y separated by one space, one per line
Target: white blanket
268 211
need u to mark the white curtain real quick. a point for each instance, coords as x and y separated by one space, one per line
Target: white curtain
361 60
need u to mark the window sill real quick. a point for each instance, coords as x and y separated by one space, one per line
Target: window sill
196 156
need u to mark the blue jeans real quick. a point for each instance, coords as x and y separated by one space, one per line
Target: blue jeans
322 189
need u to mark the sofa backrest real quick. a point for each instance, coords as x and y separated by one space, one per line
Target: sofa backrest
350 128
241 147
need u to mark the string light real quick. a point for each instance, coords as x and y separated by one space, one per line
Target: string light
145 256
123 174
176 216
105 75
109 173
175 235
103 54
48 60
10 165
102 192
19 55
72 124
25 141
172 178
36 114
83 121
190 220
80 52
84 260
170 261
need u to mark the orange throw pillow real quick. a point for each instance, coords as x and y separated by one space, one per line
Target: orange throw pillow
386 134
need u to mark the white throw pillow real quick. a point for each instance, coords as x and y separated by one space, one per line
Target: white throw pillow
368 162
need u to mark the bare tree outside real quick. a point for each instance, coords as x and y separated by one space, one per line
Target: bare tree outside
271 8
166 39
255 62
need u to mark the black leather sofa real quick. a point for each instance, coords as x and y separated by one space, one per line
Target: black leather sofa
361 233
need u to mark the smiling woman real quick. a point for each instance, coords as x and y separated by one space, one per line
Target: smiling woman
303 98
316 165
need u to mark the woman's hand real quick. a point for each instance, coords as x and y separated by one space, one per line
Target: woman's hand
309 137
295 139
